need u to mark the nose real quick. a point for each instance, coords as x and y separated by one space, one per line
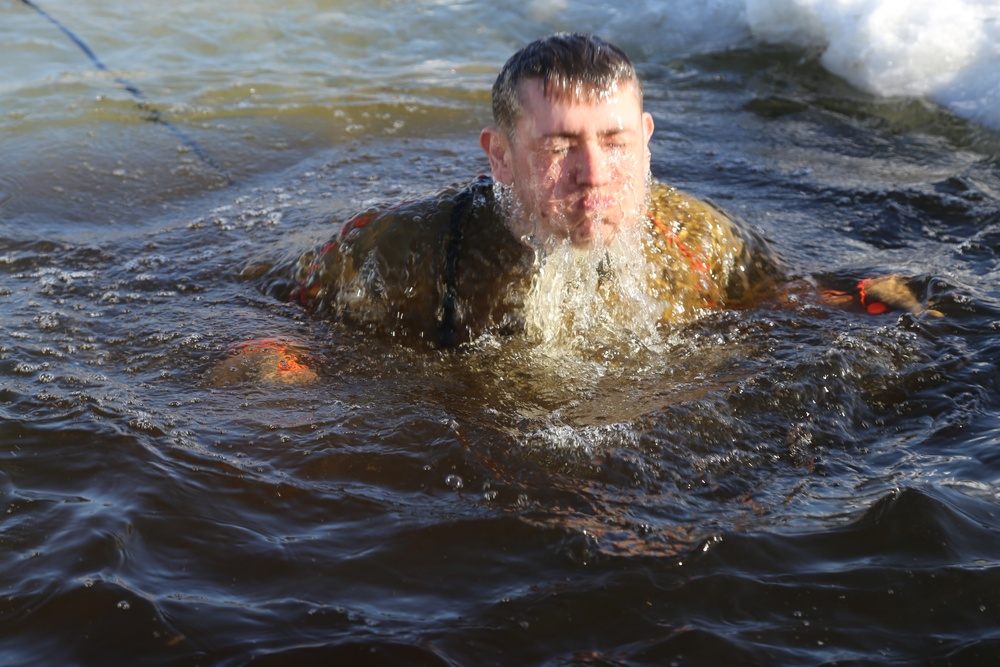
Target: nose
592 165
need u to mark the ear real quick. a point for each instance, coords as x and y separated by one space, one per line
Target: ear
497 149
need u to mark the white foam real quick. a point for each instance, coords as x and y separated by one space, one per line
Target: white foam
946 51
673 27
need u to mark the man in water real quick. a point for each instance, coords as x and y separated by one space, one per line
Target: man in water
571 188
569 154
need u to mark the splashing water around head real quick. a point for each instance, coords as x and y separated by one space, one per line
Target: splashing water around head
590 297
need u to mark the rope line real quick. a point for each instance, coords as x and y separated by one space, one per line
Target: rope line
151 114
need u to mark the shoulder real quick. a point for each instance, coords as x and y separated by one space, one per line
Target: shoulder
681 210
700 222
427 216
682 221
739 261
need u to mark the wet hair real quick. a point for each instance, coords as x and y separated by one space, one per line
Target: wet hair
569 65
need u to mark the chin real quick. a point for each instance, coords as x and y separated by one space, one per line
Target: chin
590 241
592 234
581 230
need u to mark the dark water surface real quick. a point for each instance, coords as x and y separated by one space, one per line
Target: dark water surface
794 485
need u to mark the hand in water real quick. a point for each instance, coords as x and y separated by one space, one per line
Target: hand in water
269 360
895 292
881 294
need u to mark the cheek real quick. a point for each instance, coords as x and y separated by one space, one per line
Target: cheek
631 180
628 170
543 175
556 174
627 163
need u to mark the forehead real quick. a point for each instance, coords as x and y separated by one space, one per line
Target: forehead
570 111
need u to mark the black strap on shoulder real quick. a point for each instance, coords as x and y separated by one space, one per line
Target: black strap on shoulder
453 247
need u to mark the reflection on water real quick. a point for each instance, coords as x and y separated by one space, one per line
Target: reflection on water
792 484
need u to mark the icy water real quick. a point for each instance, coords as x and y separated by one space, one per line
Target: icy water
791 485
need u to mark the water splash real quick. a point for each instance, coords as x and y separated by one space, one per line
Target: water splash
593 297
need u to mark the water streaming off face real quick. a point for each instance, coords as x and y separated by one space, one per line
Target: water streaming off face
588 298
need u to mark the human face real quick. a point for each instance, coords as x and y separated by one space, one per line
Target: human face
577 167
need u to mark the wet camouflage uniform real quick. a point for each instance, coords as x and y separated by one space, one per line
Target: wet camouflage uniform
446 268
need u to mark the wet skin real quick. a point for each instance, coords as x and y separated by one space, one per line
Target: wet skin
577 166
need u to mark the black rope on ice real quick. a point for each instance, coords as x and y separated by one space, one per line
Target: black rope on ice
152 115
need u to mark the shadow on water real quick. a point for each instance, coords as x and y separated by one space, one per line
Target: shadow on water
788 485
